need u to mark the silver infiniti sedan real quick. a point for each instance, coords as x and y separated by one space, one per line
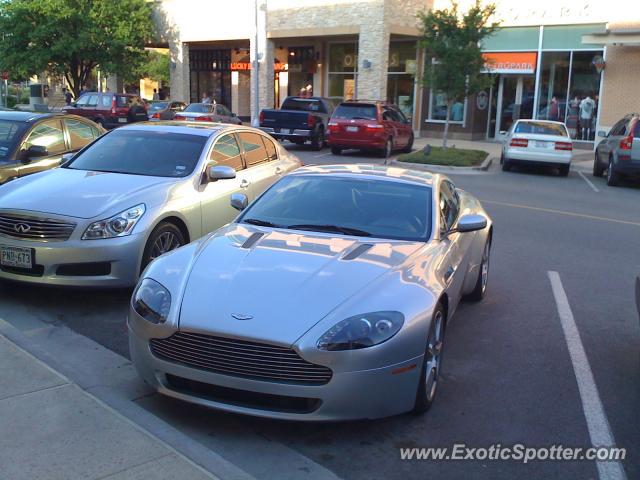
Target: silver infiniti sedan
130 196
328 297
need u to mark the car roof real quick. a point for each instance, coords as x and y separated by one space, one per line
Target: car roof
371 172
205 129
17 116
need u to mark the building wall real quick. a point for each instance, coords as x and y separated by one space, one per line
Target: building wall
620 90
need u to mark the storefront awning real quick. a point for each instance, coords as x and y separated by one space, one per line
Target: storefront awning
621 33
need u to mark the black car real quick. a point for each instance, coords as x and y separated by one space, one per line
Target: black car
32 142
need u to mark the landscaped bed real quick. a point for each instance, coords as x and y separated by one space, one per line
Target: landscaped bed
455 157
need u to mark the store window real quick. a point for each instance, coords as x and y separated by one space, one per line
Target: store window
582 108
401 76
554 80
301 67
210 73
343 70
438 108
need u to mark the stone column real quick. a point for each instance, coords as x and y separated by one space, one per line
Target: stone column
373 57
261 53
179 71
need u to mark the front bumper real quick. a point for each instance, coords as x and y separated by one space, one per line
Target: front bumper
289 133
123 255
366 394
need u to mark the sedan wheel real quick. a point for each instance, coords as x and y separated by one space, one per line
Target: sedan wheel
432 363
597 169
483 275
163 239
613 177
387 150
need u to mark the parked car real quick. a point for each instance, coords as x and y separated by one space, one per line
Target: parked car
33 142
638 294
372 126
299 120
208 112
331 296
165 110
109 110
619 151
537 142
132 195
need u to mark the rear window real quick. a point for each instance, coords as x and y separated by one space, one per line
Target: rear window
636 131
154 107
541 128
199 108
352 111
303 104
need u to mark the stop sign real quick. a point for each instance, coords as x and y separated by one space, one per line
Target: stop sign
4 75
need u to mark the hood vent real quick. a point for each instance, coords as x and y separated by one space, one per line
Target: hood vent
252 240
356 252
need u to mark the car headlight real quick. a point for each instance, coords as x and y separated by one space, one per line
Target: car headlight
152 301
361 331
119 225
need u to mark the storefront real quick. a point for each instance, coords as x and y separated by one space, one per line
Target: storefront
210 73
401 75
342 71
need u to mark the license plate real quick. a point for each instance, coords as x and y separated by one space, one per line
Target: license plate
16 257
122 120
352 129
541 144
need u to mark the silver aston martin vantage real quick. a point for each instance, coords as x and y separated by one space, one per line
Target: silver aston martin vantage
327 298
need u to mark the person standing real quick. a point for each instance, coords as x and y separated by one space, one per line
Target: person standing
587 107
68 98
156 96
554 110
206 99
572 117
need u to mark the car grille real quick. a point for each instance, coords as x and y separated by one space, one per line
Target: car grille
239 358
33 228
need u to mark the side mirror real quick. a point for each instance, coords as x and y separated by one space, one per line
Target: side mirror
34 151
221 172
471 223
66 158
503 132
602 133
233 115
239 201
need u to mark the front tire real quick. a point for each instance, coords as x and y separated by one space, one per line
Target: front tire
387 149
409 146
564 170
613 177
432 362
483 275
506 165
597 168
164 238
318 142
336 150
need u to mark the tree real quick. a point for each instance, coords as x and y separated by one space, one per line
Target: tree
452 45
155 65
73 37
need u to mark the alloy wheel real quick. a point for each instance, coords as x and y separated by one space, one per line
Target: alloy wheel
434 356
165 242
485 266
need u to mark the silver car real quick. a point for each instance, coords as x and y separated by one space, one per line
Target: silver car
327 299
619 151
127 198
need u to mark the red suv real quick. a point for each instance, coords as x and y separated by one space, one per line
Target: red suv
109 109
369 125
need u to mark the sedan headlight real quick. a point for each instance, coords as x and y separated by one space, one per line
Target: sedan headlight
152 301
119 225
361 331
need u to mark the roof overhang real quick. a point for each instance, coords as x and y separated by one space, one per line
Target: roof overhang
623 34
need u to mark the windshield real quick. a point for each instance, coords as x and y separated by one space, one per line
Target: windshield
355 112
199 108
369 208
303 104
154 107
152 153
10 135
541 128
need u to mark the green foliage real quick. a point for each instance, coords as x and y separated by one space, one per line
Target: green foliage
72 37
452 40
155 66
457 157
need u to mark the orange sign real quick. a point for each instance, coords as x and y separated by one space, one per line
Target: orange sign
510 62
242 66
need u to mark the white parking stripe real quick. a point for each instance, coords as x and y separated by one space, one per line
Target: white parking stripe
597 423
589 182
323 155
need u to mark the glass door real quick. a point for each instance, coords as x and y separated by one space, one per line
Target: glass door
514 100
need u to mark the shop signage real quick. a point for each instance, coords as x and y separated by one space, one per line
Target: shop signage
350 60
510 62
410 66
244 66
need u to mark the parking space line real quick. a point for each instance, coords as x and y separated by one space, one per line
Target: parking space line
562 212
589 182
597 423
323 155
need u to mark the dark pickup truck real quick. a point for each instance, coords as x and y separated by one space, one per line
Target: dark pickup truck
299 120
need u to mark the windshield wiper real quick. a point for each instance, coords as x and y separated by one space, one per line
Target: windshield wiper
331 228
260 223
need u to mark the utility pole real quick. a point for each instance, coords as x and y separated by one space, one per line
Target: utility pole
257 53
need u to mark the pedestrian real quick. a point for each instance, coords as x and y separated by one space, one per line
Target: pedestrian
68 97
156 95
205 98
587 108
554 110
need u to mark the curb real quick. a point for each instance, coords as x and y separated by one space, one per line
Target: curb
483 167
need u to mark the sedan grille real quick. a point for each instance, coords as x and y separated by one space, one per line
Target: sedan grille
33 228
239 358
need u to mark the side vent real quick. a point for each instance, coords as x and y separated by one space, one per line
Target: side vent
251 241
356 252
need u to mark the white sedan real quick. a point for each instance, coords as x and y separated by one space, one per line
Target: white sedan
537 142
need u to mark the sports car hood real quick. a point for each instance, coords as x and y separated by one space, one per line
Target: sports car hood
285 281
78 193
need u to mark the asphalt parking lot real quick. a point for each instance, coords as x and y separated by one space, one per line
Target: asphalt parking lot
565 254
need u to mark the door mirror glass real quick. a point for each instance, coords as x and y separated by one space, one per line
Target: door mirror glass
221 172
239 201
602 133
471 223
503 132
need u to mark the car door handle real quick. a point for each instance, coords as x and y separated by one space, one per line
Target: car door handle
449 273
245 183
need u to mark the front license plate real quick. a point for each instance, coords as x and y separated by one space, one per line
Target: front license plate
16 257
122 120
352 129
542 144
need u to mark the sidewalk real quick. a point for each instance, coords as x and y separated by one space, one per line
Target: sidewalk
52 429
